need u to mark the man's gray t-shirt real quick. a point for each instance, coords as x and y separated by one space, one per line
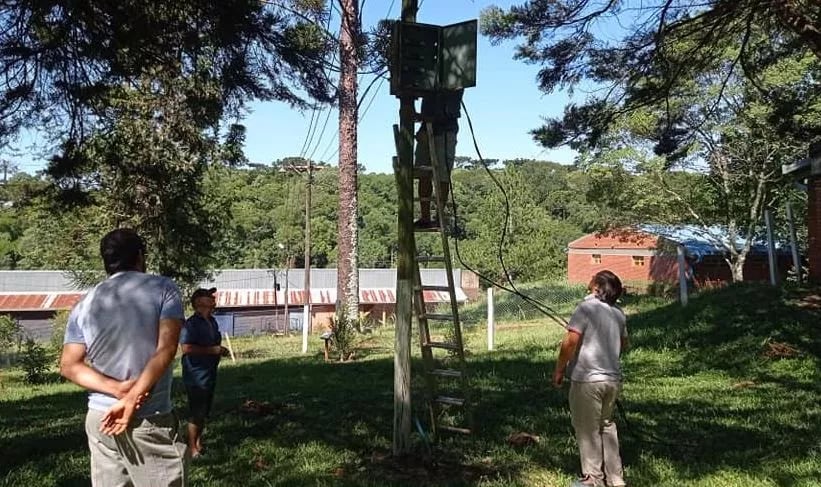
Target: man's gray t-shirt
602 328
118 322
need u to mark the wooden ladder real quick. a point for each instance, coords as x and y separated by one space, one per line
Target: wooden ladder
445 384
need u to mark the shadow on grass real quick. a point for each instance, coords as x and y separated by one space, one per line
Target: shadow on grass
330 423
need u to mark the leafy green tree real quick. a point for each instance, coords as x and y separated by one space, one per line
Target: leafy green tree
15 196
69 58
716 159
535 241
639 55
138 99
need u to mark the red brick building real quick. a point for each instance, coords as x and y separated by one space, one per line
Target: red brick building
646 255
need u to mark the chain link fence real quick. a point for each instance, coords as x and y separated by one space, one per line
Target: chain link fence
559 296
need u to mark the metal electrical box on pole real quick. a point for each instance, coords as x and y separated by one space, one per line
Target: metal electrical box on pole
429 58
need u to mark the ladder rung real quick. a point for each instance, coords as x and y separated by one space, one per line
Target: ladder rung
443 345
435 229
453 429
444 289
429 258
439 317
426 171
425 199
451 373
450 401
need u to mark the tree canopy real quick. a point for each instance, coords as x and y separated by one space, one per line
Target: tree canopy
631 55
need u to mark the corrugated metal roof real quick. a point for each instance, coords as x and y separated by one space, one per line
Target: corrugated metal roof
701 241
36 281
60 281
236 288
258 298
320 278
38 301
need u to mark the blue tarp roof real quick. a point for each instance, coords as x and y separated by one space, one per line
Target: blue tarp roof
699 241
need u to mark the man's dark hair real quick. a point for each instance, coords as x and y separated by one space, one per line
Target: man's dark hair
121 250
607 287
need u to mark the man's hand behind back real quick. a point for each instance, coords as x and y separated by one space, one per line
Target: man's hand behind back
116 419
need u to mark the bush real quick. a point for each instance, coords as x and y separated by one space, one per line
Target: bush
34 362
344 335
10 332
10 336
58 330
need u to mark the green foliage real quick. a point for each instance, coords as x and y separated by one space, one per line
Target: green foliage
247 211
73 59
344 331
657 50
58 330
545 215
34 361
139 99
10 333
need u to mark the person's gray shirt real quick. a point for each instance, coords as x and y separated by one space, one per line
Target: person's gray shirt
602 328
118 322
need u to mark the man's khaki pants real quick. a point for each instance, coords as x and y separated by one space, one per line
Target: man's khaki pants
591 409
149 454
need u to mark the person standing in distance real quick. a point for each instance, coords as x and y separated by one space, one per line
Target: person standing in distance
201 344
589 355
120 342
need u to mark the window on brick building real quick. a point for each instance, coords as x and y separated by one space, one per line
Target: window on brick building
596 258
638 261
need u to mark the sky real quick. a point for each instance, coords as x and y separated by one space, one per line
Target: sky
504 106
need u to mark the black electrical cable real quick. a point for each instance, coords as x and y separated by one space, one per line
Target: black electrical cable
648 437
545 309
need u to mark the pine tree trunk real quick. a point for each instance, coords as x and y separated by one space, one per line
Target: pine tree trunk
347 267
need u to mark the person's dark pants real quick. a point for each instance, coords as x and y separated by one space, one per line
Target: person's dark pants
200 400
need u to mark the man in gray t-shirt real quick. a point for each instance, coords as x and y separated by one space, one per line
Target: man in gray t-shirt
120 342
589 355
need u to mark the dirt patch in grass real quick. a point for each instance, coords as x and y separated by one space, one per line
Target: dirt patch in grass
438 468
780 350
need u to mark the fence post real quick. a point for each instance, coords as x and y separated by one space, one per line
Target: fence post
682 276
796 259
768 219
491 325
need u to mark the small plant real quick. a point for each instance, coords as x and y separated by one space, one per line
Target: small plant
34 362
344 335
11 333
58 330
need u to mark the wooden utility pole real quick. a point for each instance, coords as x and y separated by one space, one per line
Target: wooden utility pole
347 284
306 307
403 167
309 169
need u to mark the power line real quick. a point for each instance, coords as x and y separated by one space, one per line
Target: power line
309 136
547 310
381 75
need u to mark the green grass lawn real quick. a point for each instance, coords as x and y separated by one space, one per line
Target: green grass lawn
726 392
